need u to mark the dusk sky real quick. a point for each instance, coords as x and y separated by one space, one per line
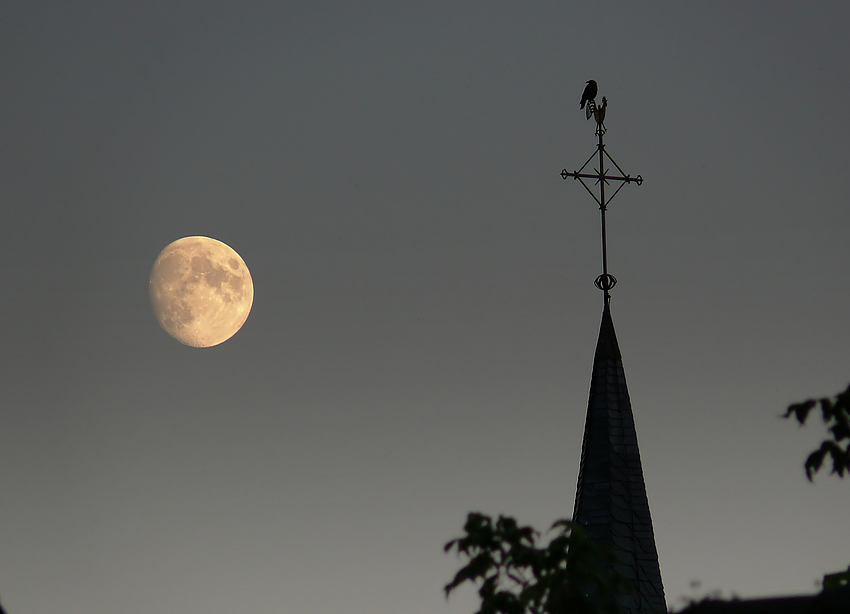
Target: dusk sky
424 316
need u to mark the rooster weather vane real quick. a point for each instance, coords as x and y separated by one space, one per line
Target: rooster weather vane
606 281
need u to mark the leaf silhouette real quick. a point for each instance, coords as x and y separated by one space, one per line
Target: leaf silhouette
835 413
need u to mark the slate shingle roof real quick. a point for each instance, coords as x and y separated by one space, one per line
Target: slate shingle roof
611 501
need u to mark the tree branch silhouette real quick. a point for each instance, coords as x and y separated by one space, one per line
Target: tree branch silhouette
835 412
570 574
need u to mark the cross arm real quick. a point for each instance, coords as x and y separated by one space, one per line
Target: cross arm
577 175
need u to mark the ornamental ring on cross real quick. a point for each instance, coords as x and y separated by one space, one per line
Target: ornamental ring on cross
605 282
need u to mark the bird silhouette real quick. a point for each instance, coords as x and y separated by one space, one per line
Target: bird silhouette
589 93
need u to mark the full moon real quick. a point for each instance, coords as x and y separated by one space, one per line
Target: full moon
201 291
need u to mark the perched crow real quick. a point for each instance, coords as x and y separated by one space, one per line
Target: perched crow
589 93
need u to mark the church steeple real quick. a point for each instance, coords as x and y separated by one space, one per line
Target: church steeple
611 503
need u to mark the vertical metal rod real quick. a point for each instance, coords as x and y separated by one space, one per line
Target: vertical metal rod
602 208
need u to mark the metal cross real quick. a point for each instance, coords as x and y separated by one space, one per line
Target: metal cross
605 281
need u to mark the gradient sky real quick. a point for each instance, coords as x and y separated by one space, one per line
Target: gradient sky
424 320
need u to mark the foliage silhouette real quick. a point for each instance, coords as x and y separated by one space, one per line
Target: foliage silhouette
836 415
569 575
